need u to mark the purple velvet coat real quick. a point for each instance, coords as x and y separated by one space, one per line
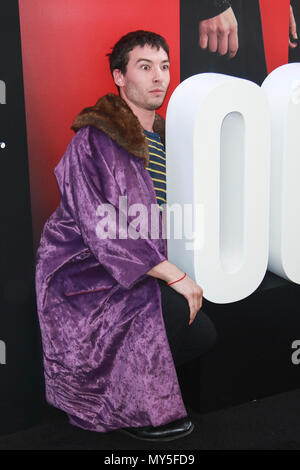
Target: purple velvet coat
107 360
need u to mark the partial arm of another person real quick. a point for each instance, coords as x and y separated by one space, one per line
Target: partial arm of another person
293 29
193 293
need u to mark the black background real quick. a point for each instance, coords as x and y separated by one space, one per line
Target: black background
20 377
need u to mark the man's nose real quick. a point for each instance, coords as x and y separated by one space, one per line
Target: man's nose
157 74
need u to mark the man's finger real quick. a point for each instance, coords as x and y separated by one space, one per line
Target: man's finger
223 44
203 40
233 44
213 42
192 311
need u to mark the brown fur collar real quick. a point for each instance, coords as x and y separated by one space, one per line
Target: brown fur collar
112 115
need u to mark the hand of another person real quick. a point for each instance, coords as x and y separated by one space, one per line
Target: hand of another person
293 29
220 34
193 294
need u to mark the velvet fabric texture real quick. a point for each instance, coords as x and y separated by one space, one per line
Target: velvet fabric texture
107 360
112 116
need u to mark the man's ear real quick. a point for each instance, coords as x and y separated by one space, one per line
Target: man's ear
118 77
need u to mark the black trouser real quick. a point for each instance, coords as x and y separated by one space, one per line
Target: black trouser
187 342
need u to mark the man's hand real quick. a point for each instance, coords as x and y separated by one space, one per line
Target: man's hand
193 294
293 29
220 34
187 287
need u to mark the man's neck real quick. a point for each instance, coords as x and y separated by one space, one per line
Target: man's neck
146 117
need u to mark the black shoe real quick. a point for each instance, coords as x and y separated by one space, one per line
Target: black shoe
166 432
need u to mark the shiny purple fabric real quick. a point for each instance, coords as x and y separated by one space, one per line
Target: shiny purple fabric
107 360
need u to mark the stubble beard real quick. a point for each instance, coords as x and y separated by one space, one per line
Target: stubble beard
135 98
154 106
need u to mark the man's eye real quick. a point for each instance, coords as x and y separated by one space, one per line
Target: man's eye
145 67
165 67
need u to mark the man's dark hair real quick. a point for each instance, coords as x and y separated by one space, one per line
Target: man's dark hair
119 56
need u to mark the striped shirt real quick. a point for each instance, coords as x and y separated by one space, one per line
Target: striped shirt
157 166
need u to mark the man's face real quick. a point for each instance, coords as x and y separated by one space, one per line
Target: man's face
147 77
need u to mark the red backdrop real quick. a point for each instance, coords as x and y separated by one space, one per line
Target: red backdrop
64 43
275 21
65 69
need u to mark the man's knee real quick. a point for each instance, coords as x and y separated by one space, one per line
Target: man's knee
204 336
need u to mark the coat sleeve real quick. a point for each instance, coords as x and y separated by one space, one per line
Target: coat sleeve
205 9
86 180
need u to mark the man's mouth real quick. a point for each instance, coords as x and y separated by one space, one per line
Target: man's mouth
157 90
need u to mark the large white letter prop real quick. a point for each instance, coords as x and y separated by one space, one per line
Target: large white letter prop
282 87
218 160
